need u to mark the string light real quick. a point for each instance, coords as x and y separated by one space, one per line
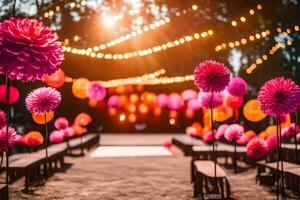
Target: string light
243 19
51 12
242 41
134 34
263 58
126 81
143 52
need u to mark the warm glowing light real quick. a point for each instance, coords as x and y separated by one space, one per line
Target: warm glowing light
108 21
172 121
122 117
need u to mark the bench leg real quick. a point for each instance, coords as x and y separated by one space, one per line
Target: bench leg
26 179
222 188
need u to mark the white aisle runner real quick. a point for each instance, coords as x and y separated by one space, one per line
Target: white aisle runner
129 151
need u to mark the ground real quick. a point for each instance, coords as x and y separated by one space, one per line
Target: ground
140 178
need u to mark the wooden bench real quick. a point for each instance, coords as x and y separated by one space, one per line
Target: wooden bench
291 173
85 142
186 143
205 178
33 165
3 192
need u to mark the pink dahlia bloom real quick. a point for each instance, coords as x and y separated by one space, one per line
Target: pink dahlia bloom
208 136
289 131
237 87
233 132
28 49
298 137
95 91
42 100
2 119
246 137
11 138
272 142
61 123
206 98
257 148
69 132
57 136
211 76
221 131
279 96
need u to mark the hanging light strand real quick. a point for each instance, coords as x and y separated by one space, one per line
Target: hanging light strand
141 31
143 52
243 18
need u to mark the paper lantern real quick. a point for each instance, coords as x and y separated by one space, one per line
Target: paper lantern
263 135
222 113
13 96
79 88
143 108
55 80
157 111
233 101
93 103
189 94
40 118
198 127
78 130
112 111
120 89
83 119
33 139
114 101
162 100
271 130
123 100
149 98
194 104
139 88
95 91
173 114
189 113
134 98
57 136
252 111
175 102
131 108
132 118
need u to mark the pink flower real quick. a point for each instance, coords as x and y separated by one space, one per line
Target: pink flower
69 132
233 132
279 96
95 91
221 131
208 136
189 94
246 137
20 139
257 148
237 87
289 131
114 101
57 136
42 100
191 131
272 142
61 123
193 104
205 99
28 49
2 119
175 102
211 76
11 138
162 100
298 137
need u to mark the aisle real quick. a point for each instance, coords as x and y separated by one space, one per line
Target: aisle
130 178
